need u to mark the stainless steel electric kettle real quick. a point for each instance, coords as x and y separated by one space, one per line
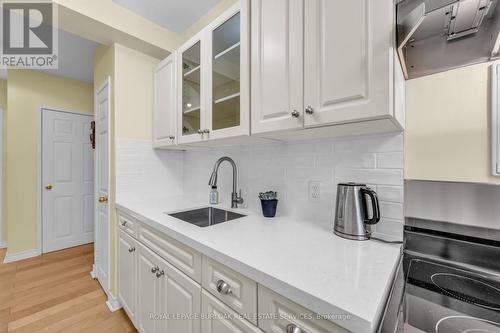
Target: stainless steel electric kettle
355 204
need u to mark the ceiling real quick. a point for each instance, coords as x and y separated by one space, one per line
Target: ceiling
174 15
76 58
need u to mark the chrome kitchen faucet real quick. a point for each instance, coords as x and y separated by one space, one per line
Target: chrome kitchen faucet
235 198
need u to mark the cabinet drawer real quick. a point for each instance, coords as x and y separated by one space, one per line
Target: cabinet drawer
218 318
278 313
179 255
240 293
128 224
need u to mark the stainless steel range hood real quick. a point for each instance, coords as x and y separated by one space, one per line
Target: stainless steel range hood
438 35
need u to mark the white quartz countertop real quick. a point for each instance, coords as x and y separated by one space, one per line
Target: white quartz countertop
301 260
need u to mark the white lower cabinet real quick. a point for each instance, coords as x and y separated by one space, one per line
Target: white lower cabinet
280 315
168 300
127 257
160 295
219 318
148 291
180 301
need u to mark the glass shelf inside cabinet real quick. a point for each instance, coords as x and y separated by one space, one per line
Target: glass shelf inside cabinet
226 74
191 107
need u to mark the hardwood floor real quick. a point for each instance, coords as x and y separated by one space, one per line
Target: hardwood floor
55 293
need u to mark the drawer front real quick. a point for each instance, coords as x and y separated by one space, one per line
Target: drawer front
236 290
279 313
179 255
127 224
218 318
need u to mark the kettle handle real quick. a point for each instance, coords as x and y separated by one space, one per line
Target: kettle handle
375 206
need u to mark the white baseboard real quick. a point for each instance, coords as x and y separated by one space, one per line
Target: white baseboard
113 304
11 257
3 244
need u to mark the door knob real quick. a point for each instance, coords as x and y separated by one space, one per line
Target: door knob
103 199
309 110
291 328
223 288
48 187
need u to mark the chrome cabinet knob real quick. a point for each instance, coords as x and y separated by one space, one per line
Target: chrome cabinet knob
295 114
160 274
48 187
124 223
171 137
223 288
292 328
309 110
200 131
132 249
155 269
206 131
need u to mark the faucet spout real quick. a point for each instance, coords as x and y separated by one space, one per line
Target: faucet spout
235 198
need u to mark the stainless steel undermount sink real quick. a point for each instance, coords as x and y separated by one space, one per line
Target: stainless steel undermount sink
207 216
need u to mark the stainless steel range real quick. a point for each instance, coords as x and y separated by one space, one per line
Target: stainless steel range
448 280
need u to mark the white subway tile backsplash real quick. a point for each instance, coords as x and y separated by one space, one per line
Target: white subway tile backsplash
390 193
373 176
374 144
286 168
391 210
390 160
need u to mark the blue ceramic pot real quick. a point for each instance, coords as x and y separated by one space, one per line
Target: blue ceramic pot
269 207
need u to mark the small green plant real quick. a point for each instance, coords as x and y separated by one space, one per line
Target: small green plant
270 195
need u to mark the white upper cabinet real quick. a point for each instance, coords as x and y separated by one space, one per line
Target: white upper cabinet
320 62
228 77
277 65
191 94
214 83
164 107
348 60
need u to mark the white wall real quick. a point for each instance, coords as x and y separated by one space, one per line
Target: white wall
461 203
288 168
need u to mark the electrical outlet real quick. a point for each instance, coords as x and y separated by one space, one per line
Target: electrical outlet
314 191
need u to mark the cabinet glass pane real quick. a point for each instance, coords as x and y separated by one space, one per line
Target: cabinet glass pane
191 70
226 74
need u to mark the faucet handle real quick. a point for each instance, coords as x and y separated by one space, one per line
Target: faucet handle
240 198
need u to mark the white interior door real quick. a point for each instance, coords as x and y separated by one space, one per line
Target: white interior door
68 180
101 248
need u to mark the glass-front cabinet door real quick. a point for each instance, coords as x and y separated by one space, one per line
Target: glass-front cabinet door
228 75
191 92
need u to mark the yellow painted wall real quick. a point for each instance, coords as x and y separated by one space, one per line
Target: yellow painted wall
120 19
27 92
3 94
448 126
134 93
3 105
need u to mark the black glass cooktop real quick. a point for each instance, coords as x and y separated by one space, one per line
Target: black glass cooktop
444 299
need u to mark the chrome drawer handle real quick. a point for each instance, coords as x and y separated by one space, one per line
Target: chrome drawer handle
223 288
155 269
292 328
132 249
